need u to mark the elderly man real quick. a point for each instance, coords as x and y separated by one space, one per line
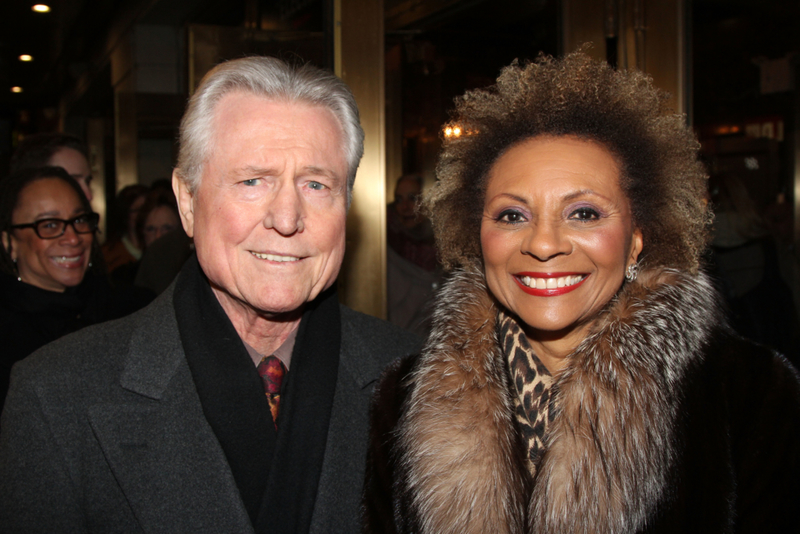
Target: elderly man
161 422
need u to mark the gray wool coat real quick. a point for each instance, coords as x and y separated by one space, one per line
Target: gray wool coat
103 431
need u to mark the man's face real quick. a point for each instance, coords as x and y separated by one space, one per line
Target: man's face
76 166
406 197
268 217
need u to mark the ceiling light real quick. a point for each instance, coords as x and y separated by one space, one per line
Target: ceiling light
41 8
16 89
26 57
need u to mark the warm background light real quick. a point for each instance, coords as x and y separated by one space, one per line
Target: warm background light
41 8
26 57
16 89
453 131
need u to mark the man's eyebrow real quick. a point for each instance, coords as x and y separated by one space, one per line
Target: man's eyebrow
254 171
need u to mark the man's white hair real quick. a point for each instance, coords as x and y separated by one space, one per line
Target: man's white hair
272 79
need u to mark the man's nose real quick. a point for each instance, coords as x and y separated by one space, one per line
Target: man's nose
284 214
546 240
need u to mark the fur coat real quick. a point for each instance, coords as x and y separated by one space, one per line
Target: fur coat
667 422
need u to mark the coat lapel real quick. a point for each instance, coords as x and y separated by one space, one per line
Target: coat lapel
158 444
362 358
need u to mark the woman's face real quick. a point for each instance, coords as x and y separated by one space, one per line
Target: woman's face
557 235
133 214
52 264
161 220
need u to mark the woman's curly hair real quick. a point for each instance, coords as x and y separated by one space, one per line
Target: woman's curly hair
580 97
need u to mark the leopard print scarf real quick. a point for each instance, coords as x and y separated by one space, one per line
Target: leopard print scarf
534 403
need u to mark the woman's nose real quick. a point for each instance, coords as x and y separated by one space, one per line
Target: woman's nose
546 240
70 236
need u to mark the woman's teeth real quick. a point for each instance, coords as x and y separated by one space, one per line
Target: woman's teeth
66 259
551 283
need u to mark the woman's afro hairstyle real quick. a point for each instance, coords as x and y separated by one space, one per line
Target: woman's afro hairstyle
586 99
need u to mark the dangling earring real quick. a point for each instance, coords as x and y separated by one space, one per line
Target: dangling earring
632 272
16 268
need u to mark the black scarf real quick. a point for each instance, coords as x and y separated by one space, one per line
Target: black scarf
277 473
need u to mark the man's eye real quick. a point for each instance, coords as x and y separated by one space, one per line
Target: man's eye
251 182
316 186
584 214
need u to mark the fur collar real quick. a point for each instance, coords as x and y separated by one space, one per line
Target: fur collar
609 449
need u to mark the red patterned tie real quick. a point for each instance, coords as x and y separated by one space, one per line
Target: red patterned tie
271 371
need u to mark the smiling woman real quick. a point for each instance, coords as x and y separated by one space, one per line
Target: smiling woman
556 224
580 376
47 228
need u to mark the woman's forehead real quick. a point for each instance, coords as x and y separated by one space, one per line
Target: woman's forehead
48 197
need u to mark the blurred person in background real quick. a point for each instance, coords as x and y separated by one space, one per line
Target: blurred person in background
47 287
123 249
167 246
412 273
58 150
744 258
158 216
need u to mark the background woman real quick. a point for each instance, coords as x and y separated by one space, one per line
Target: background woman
158 216
47 228
167 245
579 377
122 246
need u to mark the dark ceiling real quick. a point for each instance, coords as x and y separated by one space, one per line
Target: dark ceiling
71 43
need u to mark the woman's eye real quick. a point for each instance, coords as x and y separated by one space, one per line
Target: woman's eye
48 224
584 214
510 216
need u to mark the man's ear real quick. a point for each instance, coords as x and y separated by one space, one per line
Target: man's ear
185 200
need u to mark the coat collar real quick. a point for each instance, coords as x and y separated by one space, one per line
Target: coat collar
609 449
154 351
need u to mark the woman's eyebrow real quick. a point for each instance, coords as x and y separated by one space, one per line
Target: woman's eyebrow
511 196
47 214
583 192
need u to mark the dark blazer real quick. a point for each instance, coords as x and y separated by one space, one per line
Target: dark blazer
104 432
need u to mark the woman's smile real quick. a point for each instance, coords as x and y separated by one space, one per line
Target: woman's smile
549 284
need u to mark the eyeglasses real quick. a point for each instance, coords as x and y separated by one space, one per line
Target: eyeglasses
85 223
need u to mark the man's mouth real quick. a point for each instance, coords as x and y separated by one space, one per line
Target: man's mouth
274 257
